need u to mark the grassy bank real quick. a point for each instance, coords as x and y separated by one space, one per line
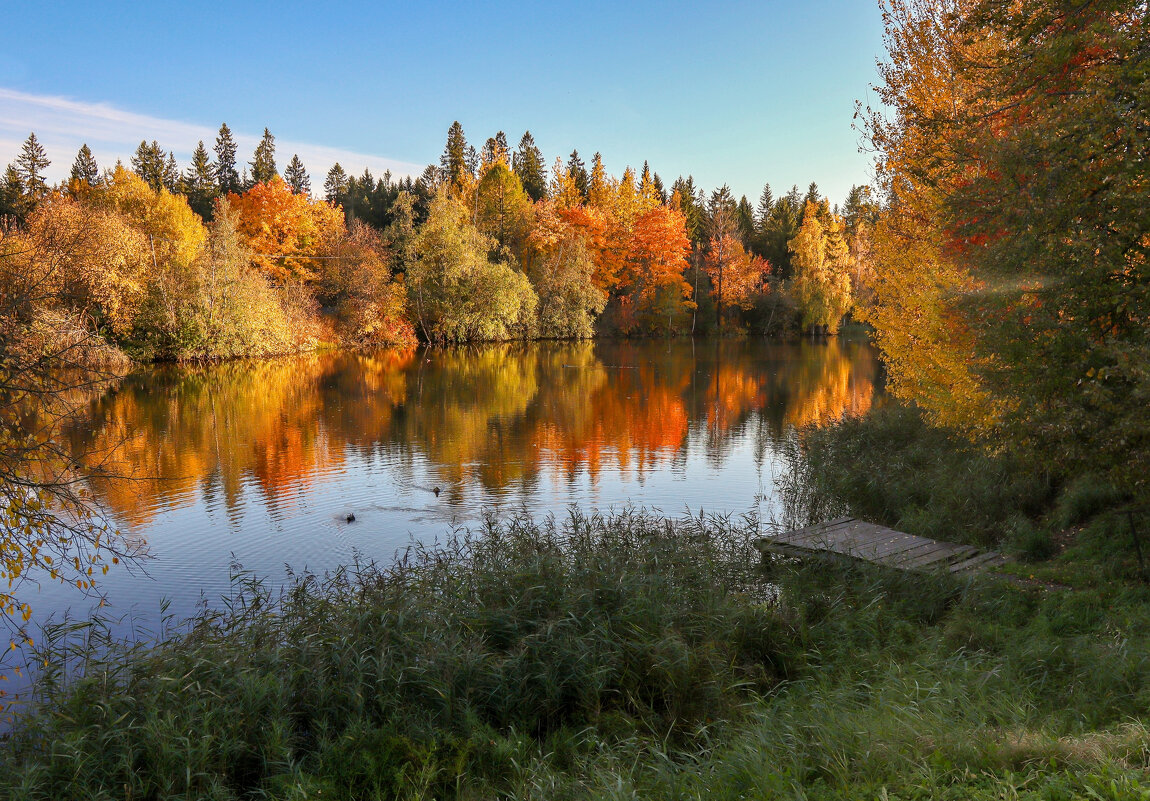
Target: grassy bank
632 657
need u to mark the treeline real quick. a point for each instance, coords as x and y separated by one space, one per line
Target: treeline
222 260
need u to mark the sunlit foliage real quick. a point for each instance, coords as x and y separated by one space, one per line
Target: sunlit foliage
458 295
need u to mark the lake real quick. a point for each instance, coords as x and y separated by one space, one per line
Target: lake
261 462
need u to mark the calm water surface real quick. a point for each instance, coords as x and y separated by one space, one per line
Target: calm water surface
262 462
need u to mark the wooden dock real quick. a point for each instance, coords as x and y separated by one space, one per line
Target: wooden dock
858 539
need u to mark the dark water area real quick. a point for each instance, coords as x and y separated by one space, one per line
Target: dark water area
261 463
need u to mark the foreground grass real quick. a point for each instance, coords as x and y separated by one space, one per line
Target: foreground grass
621 657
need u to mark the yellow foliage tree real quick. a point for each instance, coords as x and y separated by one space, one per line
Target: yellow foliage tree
822 274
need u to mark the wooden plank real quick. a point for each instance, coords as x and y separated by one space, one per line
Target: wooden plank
945 554
859 539
801 535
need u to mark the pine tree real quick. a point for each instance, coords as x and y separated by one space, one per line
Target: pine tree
660 190
453 162
84 168
296 176
746 217
528 164
263 163
149 163
171 174
11 193
335 186
578 172
200 183
227 178
30 166
766 202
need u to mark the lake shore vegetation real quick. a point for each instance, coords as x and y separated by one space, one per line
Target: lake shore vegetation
487 245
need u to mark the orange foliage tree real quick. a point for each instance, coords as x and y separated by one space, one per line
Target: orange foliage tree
286 231
743 274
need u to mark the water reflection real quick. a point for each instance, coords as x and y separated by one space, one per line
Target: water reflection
490 418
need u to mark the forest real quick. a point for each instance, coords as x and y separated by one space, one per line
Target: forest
488 245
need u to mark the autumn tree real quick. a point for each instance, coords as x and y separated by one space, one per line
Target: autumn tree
722 229
458 295
561 270
357 282
503 209
822 275
657 291
742 273
285 231
598 184
1014 225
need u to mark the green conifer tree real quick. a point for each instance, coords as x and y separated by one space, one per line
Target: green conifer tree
84 168
335 186
296 176
263 163
200 183
149 163
227 177
453 162
528 164
579 175
30 166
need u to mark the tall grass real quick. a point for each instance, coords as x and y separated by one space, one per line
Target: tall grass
424 672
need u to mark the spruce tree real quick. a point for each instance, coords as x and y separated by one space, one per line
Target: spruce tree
148 162
30 166
528 164
453 162
11 194
766 202
171 174
263 163
200 183
578 171
84 168
335 186
227 178
746 217
296 176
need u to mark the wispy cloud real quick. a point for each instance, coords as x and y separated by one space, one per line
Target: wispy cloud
63 124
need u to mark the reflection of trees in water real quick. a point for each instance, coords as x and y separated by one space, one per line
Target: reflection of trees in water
492 416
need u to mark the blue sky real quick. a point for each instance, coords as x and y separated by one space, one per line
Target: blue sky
737 93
